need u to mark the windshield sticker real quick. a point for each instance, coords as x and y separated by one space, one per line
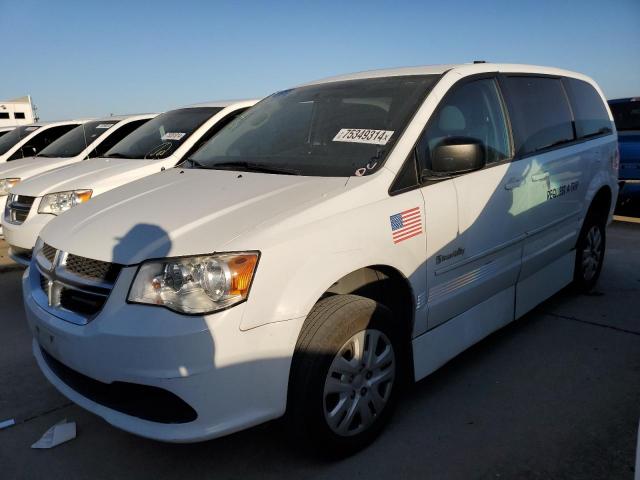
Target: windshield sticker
105 125
172 136
360 172
363 135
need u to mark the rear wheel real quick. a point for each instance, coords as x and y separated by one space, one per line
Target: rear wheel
345 374
590 253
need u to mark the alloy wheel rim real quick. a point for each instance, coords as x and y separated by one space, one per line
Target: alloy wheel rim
359 382
591 253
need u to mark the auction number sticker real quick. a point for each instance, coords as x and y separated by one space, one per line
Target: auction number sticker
173 136
105 125
363 135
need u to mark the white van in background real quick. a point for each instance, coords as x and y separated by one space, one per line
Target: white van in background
29 140
161 143
4 130
91 139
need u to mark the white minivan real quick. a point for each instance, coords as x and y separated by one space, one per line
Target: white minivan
87 140
5 130
27 140
160 144
338 239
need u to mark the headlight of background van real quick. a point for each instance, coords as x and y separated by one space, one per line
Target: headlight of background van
7 184
56 203
195 285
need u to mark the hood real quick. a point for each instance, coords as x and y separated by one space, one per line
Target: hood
180 212
30 166
97 174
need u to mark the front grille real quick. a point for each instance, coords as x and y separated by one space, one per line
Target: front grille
79 301
44 283
92 269
142 401
49 252
18 208
72 287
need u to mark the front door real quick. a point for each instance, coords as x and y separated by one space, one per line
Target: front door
473 250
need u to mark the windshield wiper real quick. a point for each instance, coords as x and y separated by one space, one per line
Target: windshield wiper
254 167
194 163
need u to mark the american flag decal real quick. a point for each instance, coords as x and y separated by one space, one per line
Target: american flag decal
405 225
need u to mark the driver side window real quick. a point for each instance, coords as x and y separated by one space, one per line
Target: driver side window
471 114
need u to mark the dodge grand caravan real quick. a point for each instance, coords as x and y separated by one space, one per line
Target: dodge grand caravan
84 141
27 140
160 144
336 240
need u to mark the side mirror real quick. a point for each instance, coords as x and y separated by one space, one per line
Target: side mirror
454 156
29 151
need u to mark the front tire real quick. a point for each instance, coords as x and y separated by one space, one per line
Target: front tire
345 374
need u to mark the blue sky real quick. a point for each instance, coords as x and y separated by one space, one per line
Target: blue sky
93 58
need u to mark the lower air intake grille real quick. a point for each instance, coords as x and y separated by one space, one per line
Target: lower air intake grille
143 401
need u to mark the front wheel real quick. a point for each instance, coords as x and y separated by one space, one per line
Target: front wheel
590 253
345 374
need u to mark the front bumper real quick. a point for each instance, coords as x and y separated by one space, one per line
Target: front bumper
230 378
25 235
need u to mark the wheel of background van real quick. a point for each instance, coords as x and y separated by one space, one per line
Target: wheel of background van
345 375
590 253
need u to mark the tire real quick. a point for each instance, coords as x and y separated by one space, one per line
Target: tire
330 391
590 250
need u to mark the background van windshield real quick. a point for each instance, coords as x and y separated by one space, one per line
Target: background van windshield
14 136
160 137
626 115
74 142
333 129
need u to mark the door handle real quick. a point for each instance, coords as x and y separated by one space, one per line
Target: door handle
513 183
538 177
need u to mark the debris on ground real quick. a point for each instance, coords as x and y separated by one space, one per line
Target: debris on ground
61 432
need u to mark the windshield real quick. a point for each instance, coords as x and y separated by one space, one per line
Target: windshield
626 115
160 137
333 129
14 136
75 141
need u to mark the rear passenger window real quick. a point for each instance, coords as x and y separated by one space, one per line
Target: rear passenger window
539 112
590 114
471 113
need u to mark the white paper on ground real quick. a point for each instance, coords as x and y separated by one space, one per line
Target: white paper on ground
61 432
7 423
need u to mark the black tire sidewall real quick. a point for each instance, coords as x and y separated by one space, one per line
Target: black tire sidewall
579 281
311 365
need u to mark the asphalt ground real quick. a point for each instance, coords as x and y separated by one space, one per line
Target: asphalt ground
554 395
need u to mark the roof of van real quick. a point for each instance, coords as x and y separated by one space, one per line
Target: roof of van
58 122
133 116
463 68
221 103
624 100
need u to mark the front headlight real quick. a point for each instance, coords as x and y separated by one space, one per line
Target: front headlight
56 203
195 285
7 184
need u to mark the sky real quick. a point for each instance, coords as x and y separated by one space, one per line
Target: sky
94 58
